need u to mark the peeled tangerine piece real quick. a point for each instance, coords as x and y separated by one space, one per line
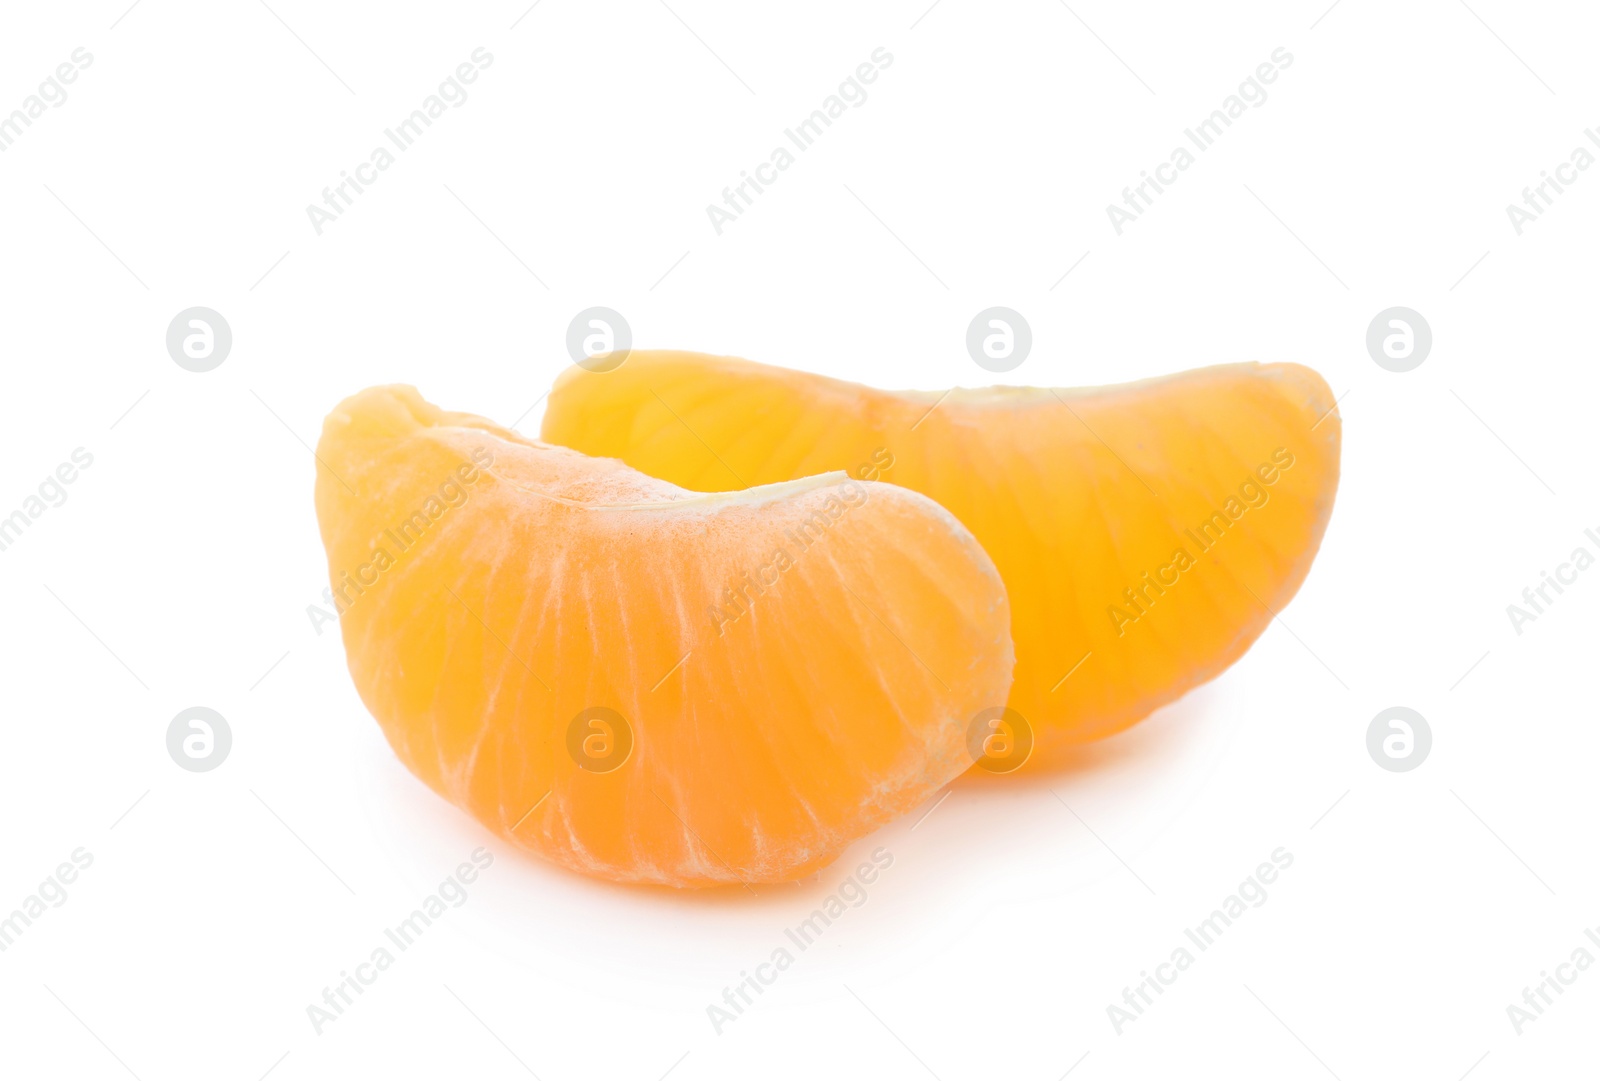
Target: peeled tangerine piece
643 683
1147 533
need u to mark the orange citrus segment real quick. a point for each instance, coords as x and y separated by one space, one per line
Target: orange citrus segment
641 682
1146 532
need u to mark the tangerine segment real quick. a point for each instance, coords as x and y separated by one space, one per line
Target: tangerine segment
1147 533
644 683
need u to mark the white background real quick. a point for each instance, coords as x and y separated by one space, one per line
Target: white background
178 573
